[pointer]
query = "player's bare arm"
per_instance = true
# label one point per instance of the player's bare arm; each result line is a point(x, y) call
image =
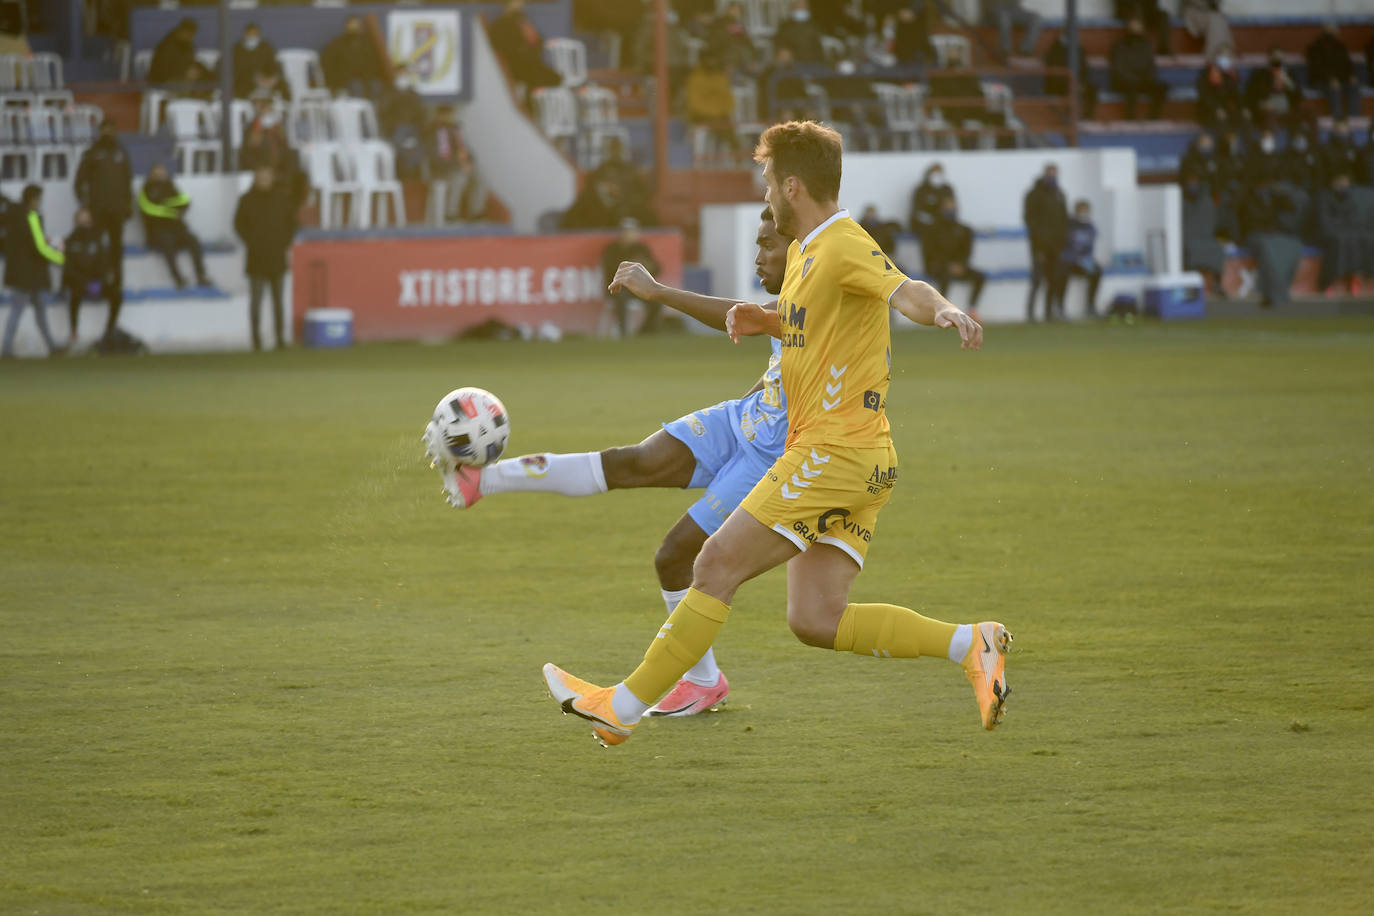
point(635, 278)
point(747, 319)
point(923, 304)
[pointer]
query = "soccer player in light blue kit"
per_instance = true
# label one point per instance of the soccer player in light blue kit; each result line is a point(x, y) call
point(724, 449)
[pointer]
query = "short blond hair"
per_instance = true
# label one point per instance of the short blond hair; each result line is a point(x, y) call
point(807, 151)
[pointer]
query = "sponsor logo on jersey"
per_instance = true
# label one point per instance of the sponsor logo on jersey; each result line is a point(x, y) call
point(806, 266)
point(828, 516)
point(828, 519)
point(794, 324)
point(873, 400)
point(881, 480)
point(807, 534)
point(698, 428)
point(887, 265)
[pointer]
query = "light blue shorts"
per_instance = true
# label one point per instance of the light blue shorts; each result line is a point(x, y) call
point(727, 466)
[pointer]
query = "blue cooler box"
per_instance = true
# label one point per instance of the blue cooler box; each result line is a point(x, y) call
point(1172, 297)
point(327, 328)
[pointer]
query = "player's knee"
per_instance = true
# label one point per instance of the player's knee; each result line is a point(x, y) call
point(712, 571)
point(674, 563)
point(809, 633)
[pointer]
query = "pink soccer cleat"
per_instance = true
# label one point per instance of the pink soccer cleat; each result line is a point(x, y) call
point(688, 699)
point(462, 484)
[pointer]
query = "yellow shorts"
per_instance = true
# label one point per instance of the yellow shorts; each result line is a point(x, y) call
point(823, 495)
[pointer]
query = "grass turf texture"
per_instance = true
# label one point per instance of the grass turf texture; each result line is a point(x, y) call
point(252, 663)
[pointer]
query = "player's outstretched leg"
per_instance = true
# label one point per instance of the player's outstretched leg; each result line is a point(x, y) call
point(704, 686)
point(593, 703)
point(986, 670)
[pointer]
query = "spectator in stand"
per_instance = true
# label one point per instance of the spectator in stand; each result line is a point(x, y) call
point(602, 204)
point(728, 39)
point(628, 246)
point(351, 63)
point(623, 18)
point(1200, 160)
point(911, 44)
point(798, 34)
point(958, 94)
point(521, 48)
point(1004, 15)
point(882, 231)
point(1272, 96)
point(782, 90)
point(1204, 19)
point(925, 201)
point(103, 186)
point(1271, 216)
point(1046, 215)
point(256, 66)
point(948, 250)
point(197, 83)
point(264, 141)
point(28, 259)
point(1330, 72)
point(88, 271)
point(1218, 93)
point(174, 54)
point(1203, 230)
point(164, 206)
point(1343, 230)
point(711, 109)
point(1302, 161)
point(450, 161)
point(1264, 163)
point(1339, 154)
point(403, 118)
point(1153, 17)
point(634, 186)
point(1059, 85)
point(1133, 72)
point(1078, 259)
point(266, 222)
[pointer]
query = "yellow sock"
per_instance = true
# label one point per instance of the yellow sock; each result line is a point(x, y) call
point(888, 631)
point(680, 642)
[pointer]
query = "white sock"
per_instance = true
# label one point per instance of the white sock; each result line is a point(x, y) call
point(959, 645)
point(706, 672)
point(629, 708)
point(578, 474)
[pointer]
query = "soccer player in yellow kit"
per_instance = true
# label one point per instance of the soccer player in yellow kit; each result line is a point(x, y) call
point(816, 508)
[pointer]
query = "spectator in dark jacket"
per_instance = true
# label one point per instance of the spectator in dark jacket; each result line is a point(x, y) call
point(350, 62)
point(256, 66)
point(163, 206)
point(1046, 215)
point(1058, 57)
point(1005, 15)
point(1078, 258)
point(729, 40)
point(1203, 228)
point(911, 42)
point(628, 246)
point(1264, 163)
point(1330, 72)
point(1343, 232)
point(925, 201)
point(266, 222)
point(1150, 12)
point(104, 185)
point(1200, 160)
point(602, 205)
point(948, 250)
point(1133, 72)
point(1339, 153)
point(1272, 95)
point(28, 260)
point(174, 54)
point(87, 271)
point(1218, 93)
point(798, 34)
point(521, 48)
point(1270, 218)
point(1302, 162)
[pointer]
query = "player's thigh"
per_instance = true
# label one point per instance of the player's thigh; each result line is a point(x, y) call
point(818, 583)
point(743, 548)
point(661, 460)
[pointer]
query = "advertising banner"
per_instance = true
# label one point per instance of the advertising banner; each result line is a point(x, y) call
point(413, 288)
point(428, 42)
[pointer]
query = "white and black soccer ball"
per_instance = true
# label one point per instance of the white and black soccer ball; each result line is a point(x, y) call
point(471, 425)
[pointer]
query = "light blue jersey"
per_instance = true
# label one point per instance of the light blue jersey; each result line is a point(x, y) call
point(734, 443)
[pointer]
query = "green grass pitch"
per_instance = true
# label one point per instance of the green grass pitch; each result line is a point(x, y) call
point(251, 663)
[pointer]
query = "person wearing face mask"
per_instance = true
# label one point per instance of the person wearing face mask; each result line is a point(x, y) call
point(1046, 215)
point(351, 63)
point(1272, 96)
point(799, 35)
point(1079, 259)
point(1330, 72)
point(1200, 159)
point(254, 60)
point(1342, 231)
point(948, 250)
point(1218, 93)
point(402, 116)
point(925, 201)
point(1133, 71)
point(1203, 230)
point(1302, 163)
point(1339, 153)
point(1265, 162)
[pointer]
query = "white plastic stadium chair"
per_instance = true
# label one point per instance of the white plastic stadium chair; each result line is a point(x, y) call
point(16, 147)
point(556, 110)
point(569, 57)
point(943, 44)
point(1000, 100)
point(377, 177)
point(194, 127)
point(903, 112)
point(143, 60)
point(355, 120)
point(44, 71)
point(53, 157)
point(335, 177)
point(304, 75)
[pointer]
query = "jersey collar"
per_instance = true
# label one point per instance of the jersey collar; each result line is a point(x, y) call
point(838, 214)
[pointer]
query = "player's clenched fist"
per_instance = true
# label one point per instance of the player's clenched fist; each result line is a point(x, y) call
point(746, 319)
point(634, 278)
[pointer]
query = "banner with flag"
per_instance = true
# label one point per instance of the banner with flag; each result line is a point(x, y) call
point(428, 43)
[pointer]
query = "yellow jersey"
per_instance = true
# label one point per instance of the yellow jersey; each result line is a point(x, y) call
point(836, 345)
